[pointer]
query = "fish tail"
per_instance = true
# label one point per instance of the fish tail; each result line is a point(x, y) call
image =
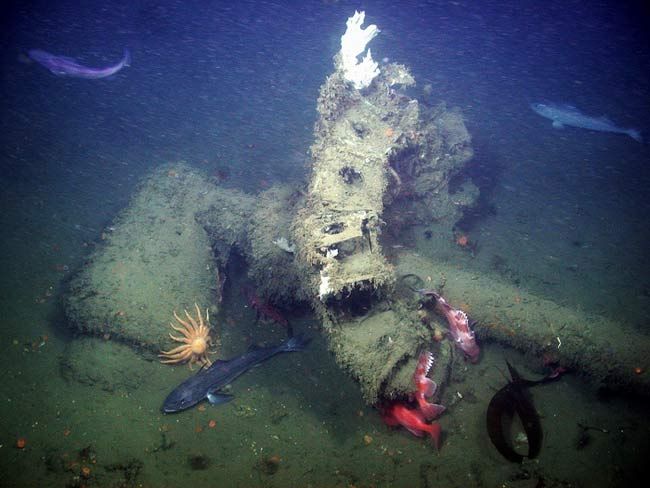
point(435, 431)
point(635, 134)
point(126, 60)
point(297, 343)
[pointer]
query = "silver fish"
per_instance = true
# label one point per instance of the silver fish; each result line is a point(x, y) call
point(562, 115)
point(65, 66)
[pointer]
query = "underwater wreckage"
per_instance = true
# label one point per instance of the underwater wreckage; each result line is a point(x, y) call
point(381, 163)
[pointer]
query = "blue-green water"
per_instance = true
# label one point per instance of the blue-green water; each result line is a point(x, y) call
point(231, 89)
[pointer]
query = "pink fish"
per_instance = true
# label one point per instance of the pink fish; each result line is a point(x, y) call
point(426, 387)
point(459, 327)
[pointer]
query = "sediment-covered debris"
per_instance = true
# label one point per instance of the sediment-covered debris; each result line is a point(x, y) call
point(374, 146)
point(272, 266)
point(156, 259)
point(605, 352)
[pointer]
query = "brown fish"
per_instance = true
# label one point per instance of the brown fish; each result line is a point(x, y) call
point(510, 400)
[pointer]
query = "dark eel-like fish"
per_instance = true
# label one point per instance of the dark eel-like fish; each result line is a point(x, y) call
point(510, 400)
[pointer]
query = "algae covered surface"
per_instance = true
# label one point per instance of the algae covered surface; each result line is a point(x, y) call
point(155, 258)
point(593, 345)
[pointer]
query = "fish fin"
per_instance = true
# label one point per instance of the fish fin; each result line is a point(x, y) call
point(429, 385)
point(558, 125)
point(126, 60)
point(415, 432)
point(218, 398)
point(635, 134)
point(517, 378)
point(435, 432)
point(432, 410)
point(514, 374)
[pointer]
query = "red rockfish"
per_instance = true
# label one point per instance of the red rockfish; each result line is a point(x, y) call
point(262, 308)
point(415, 419)
point(397, 413)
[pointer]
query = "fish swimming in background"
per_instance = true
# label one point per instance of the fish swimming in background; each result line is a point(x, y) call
point(64, 66)
point(562, 115)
